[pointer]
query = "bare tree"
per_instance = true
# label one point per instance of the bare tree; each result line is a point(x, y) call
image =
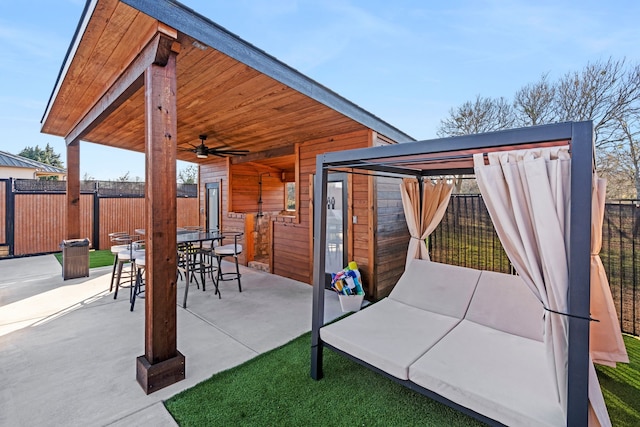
point(629, 151)
point(124, 178)
point(534, 103)
point(603, 92)
point(188, 175)
point(481, 115)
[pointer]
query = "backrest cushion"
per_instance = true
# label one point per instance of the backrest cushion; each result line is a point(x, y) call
point(504, 302)
point(439, 288)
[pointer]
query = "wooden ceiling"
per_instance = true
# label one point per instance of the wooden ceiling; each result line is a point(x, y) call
point(218, 95)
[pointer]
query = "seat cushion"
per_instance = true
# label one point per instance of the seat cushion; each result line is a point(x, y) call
point(504, 302)
point(503, 376)
point(230, 249)
point(439, 288)
point(389, 335)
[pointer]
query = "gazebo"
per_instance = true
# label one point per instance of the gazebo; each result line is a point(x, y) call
point(537, 183)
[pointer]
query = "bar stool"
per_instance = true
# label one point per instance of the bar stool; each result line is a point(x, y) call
point(139, 262)
point(232, 249)
point(134, 247)
point(116, 247)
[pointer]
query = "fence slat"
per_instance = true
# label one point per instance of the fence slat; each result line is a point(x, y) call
point(39, 217)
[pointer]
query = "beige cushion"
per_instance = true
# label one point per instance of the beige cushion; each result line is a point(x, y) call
point(504, 302)
point(503, 376)
point(440, 288)
point(388, 335)
point(230, 249)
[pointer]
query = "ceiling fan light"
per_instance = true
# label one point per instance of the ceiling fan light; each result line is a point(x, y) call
point(201, 152)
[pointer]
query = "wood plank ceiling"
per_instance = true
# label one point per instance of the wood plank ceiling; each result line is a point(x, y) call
point(232, 103)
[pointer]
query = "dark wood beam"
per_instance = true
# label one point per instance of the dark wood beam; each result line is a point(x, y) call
point(162, 364)
point(264, 155)
point(157, 52)
point(73, 192)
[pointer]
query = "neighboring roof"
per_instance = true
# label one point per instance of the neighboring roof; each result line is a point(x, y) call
point(226, 87)
point(15, 161)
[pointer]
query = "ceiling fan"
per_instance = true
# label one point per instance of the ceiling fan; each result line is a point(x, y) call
point(202, 151)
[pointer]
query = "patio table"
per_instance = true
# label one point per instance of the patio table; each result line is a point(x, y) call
point(187, 239)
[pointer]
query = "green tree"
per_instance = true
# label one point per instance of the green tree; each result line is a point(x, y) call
point(47, 156)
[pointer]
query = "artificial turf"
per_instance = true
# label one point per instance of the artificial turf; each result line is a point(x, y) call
point(100, 258)
point(275, 389)
point(621, 386)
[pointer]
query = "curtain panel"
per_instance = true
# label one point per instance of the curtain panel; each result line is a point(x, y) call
point(423, 218)
point(527, 194)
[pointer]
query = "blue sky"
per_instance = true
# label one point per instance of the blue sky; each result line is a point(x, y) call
point(408, 62)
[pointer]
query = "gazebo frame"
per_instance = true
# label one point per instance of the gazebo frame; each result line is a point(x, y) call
point(454, 156)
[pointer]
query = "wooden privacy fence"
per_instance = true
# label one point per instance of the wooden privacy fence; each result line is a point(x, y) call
point(466, 237)
point(32, 213)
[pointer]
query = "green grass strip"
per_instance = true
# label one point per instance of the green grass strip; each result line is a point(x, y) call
point(275, 389)
point(100, 258)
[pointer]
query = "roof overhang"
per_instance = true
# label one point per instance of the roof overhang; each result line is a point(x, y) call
point(228, 89)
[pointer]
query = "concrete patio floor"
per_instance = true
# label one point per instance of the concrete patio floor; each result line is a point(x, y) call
point(68, 349)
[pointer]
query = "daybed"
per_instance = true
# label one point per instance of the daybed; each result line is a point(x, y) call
point(506, 349)
point(474, 337)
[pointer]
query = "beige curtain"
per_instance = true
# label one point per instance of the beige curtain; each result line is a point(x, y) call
point(605, 341)
point(422, 221)
point(527, 193)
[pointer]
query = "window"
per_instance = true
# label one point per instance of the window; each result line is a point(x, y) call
point(290, 196)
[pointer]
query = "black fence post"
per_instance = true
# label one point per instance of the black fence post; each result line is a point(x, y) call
point(96, 217)
point(10, 215)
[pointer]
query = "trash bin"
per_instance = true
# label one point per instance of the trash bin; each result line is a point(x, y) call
point(75, 258)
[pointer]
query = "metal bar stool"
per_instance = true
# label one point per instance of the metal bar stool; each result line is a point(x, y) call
point(116, 247)
point(138, 288)
point(134, 247)
point(232, 249)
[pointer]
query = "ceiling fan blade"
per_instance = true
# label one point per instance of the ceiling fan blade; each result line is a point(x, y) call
point(228, 153)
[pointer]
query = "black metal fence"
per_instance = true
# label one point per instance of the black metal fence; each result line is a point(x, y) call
point(466, 237)
point(101, 188)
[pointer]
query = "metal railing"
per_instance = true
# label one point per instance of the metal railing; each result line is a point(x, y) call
point(101, 188)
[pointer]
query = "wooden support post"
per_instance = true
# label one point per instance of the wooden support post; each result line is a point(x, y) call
point(162, 364)
point(73, 191)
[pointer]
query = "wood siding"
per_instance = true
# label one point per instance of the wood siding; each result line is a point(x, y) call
point(299, 234)
point(391, 233)
point(214, 172)
point(217, 171)
point(291, 249)
point(392, 236)
point(374, 241)
point(245, 187)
